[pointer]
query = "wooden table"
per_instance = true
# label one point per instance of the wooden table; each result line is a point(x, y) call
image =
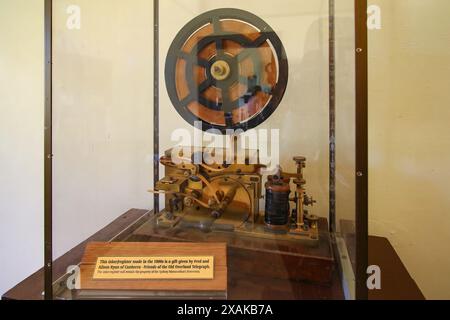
point(396, 282)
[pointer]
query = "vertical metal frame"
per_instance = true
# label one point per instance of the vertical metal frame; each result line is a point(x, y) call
point(362, 208)
point(332, 114)
point(156, 102)
point(48, 153)
point(361, 137)
point(48, 137)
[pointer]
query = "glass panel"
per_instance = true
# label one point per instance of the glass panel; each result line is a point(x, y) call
point(344, 175)
point(282, 103)
point(102, 118)
point(244, 142)
point(409, 73)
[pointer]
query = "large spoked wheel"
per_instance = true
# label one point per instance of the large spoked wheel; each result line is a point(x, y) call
point(228, 69)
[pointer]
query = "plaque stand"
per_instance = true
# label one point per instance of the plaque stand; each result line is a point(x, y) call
point(173, 281)
point(271, 258)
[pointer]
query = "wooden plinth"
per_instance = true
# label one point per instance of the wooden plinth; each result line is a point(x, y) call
point(96, 250)
point(280, 259)
point(241, 286)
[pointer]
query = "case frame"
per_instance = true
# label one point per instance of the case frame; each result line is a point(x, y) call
point(361, 135)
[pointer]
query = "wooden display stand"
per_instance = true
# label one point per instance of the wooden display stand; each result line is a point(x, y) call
point(290, 260)
point(166, 282)
point(397, 283)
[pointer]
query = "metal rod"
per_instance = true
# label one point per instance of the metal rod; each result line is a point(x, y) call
point(332, 115)
point(156, 207)
point(361, 148)
point(48, 161)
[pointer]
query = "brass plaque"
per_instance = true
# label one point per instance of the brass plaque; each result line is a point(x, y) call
point(162, 267)
point(155, 266)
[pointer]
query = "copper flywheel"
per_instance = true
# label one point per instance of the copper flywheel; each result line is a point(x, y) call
point(228, 69)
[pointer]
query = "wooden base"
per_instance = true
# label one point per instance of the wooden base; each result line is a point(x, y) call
point(267, 258)
point(186, 287)
point(241, 286)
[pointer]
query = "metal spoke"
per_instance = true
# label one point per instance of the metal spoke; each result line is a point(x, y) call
point(190, 98)
point(217, 31)
point(202, 62)
point(204, 85)
point(193, 58)
point(227, 106)
point(260, 40)
point(243, 55)
point(216, 25)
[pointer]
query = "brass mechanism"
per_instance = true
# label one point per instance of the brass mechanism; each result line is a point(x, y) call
point(230, 85)
point(223, 197)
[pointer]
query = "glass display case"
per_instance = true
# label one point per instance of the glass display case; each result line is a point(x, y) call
point(206, 149)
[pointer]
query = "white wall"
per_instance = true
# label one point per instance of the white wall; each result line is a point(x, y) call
point(102, 115)
point(21, 139)
point(409, 143)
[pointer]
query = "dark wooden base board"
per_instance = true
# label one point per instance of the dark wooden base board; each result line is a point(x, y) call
point(289, 260)
point(241, 286)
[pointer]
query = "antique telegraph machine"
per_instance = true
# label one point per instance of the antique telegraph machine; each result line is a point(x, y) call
point(228, 69)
